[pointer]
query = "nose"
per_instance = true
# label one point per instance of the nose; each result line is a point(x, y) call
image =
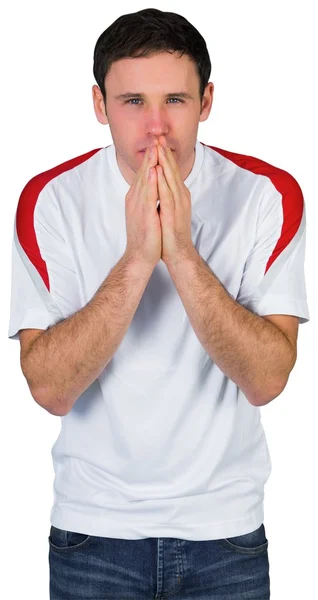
point(156, 125)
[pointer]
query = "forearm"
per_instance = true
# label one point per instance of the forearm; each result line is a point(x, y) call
point(68, 357)
point(248, 349)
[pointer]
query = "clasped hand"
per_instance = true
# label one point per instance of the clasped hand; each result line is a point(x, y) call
point(175, 206)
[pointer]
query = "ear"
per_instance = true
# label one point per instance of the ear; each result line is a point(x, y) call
point(99, 106)
point(207, 101)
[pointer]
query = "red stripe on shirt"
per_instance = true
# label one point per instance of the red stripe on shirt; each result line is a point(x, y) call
point(26, 207)
point(286, 185)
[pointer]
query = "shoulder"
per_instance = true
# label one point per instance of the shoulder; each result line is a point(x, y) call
point(33, 189)
point(281, 179)
point(38, 182)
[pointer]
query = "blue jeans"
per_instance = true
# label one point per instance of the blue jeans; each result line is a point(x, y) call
point(100, 568)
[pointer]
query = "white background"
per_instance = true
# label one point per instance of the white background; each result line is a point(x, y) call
point(264, 70)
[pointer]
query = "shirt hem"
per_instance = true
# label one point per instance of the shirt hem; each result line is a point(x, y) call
point(103, 527)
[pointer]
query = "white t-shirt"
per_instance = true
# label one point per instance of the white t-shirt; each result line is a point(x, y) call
point(162, 444)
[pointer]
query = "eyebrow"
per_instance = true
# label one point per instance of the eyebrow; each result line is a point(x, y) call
point(137, 95)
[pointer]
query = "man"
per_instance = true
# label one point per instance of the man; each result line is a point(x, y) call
point(157, 296)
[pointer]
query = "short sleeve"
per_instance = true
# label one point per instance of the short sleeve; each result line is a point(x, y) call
point(273, 281)
point(43, 280)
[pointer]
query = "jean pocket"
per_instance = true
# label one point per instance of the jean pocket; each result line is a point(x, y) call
point(253, 543)
point(63, 540)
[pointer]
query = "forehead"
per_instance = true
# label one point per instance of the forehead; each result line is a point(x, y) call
point(152, 72)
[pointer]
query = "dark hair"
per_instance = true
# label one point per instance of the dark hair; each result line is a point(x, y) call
point(150, 31)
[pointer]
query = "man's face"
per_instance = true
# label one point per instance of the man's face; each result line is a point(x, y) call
point(136, 122)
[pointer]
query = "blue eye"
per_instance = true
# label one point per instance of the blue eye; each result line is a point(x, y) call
point(138, 99)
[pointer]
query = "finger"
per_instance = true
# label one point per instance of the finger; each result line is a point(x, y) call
point(137, 188)
point(165, 192)
point(152, 187)
point(142, 181)
point(171, 171)
point(139, 173)
point(152, 160)
point(142, 175)
point(146, 181)
point(145, 163)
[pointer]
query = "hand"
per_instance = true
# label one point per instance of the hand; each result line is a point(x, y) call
point(142, 218)
point(175, 208)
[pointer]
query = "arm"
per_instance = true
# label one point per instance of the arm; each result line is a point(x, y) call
point(64, 360)
point(250, 350)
